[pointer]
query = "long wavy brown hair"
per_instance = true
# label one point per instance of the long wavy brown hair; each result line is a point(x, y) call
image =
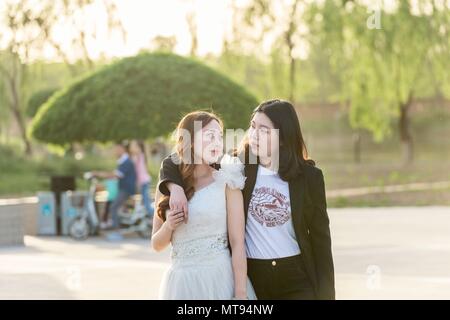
point(185, 152)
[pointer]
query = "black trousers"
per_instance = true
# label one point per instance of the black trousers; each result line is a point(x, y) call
point(280, 279)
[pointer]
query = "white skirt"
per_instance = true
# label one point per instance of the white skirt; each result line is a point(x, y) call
point(201, 278)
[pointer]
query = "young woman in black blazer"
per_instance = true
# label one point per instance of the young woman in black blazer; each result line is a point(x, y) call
point(288, 239)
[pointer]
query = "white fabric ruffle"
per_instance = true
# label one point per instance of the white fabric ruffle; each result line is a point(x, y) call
point(231, 172)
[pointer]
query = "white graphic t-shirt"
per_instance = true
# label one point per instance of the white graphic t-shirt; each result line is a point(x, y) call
point(269, 232)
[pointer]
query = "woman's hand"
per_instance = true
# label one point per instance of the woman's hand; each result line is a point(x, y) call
point(178, 201)
point(161, 232)
point(174, 219)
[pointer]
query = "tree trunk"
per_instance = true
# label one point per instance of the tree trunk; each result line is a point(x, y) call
point(83, 45)
point(15, 109)
point(12, 79)
point(357, 147)
point(292, 80)
point(22, 127)
point(405, 133)
point(290, 44)
point(193, 32)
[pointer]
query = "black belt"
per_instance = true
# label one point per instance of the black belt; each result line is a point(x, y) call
point(276, 261)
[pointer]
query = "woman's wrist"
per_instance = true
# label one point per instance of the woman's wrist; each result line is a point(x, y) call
point(166, 226)
point(240, 295)
point(172, 187)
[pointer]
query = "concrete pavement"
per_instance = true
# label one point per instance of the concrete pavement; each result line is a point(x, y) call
point(380, 253)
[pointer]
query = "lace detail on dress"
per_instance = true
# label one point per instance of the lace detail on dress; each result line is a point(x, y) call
point(231, 172)
point(204, 246)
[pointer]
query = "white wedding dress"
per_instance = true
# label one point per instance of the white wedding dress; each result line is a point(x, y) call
point(201, 267)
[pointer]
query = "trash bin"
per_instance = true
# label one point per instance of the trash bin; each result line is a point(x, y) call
point(47, 214)
point(58, 185)
point(73, 203)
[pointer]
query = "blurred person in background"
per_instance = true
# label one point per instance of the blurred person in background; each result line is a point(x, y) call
point(126, 175)
point(143, 178)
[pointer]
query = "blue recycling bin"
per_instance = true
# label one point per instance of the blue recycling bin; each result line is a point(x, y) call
point(47, 214)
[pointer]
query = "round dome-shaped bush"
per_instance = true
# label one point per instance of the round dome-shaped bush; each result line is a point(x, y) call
point(140, 97)
point(38, 99)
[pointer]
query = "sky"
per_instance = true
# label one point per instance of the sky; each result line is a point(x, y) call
point(145, 19)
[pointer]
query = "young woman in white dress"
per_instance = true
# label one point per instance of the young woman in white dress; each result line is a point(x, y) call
point(202, 266)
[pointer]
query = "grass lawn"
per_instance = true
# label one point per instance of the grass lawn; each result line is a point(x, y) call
point(402, 199)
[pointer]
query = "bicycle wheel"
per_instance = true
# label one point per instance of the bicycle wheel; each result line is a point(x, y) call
point(79, 228)
point(146, 231)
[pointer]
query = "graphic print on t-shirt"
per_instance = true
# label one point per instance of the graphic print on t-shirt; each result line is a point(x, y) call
point(269, 207)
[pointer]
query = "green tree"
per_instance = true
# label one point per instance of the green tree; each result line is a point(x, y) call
point(38, 99)
point(282, 21)
point(164, 43)
point(381, 69)
point(28, 29)
point(139, 97)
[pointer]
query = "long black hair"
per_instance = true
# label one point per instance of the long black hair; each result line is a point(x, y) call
point(293, 152)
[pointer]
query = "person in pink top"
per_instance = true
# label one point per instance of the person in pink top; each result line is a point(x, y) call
point(137, 151)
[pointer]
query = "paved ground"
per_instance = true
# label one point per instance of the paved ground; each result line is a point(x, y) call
point(382, 253)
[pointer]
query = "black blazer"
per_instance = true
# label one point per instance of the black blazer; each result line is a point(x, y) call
point(309, 217)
